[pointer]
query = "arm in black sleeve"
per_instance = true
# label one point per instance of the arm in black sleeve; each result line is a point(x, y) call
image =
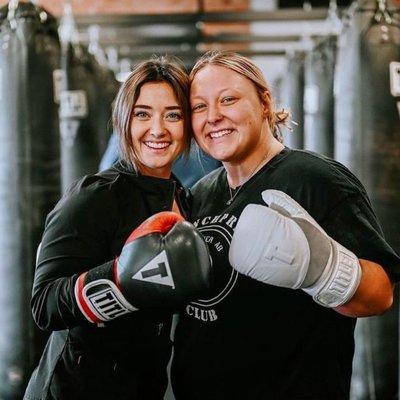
point(76, 239)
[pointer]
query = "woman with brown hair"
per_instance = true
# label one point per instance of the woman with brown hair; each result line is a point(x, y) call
point(111, 266)
point(297, 253)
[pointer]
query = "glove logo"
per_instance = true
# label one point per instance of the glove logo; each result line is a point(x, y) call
point(157, 270)
point(100, 300)
point(107, 304)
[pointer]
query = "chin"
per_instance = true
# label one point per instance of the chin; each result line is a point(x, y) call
point(149, 167)
point(221, 156)
point(158, 166)
point(157, 162)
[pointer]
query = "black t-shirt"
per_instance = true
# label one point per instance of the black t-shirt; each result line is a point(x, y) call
point(250, 340)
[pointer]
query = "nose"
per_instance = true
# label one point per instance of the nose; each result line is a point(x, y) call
point(213, 115)
point(157, 128)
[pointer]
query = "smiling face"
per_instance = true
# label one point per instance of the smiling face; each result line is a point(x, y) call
point(227, 114)
point(157, 129)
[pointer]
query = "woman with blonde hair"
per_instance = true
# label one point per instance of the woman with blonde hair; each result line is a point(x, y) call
point(297, 253)
point(111, 267)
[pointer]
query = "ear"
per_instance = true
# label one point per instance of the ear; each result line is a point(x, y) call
point(265, 101)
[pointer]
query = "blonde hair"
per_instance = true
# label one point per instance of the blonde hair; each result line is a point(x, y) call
point(157, 69)
point(246, 67)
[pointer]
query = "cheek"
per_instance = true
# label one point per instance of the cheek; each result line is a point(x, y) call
point(137, 130)
point(198, 137)
point(134, 135)
point(177, 134)
point(135, 143)
point(249, 120)
point(197, 124)
point(240, 116)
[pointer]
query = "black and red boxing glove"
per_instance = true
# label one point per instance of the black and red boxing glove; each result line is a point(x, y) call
point(164, 263)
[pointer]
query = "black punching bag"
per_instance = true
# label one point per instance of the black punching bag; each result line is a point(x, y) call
point(106, 88)
point(367, 139)
point(292, 99)
point(318, 96)
point(81, 147)
point(29, 177)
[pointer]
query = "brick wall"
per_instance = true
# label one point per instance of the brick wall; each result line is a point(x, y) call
point(93, 7)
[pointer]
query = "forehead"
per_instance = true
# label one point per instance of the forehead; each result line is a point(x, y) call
point(217, 78)
point(156, 90)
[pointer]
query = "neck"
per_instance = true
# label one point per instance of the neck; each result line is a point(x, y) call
point(239, 172)
point(162, 173)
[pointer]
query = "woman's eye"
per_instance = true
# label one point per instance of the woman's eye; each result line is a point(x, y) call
point(141, 114)
point(198, 107)
point(228, 99)
point(174, 116)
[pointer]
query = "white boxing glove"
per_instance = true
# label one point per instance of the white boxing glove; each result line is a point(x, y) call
point(282, 245)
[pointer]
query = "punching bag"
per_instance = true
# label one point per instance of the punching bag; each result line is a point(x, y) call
point(29, 178)
point(318, 96)
point(80, 147)
point(292, 99)
point(106, 86)
point(347, 90)
point(367, 140)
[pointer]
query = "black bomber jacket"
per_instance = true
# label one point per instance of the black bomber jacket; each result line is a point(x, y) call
point(125, 358)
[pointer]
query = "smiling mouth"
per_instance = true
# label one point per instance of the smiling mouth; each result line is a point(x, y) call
point(220, 133)
point(157, 145)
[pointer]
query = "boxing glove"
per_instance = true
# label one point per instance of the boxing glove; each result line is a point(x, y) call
point(163, 263)
point(283, 245)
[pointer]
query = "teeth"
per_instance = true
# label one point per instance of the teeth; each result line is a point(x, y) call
point(215, 135)
point(157, 145)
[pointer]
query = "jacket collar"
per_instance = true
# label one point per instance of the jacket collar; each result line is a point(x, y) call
point(126, 168)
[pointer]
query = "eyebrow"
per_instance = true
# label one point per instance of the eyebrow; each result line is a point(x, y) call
point(149, 108)
point(219, 93)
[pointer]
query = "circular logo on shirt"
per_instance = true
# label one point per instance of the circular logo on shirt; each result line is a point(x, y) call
point(224, 277)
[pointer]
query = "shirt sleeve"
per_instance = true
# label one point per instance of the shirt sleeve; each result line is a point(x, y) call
point(76, 239)
point(353, 224)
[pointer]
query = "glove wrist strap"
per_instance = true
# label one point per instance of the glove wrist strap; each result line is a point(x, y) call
point(340, 280)
point(98, 297)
